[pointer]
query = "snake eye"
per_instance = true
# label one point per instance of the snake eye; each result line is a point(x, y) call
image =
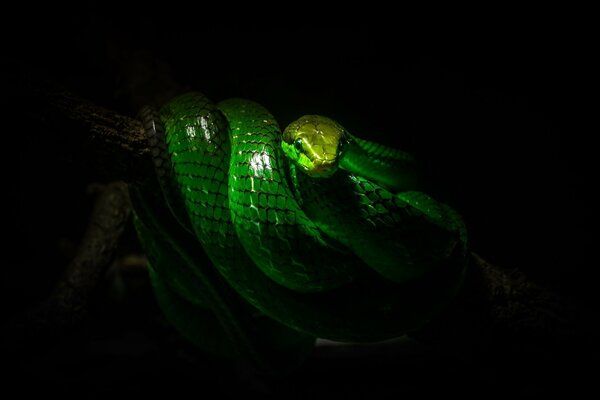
point(298, 144)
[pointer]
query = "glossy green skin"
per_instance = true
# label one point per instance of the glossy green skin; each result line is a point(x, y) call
point(368, 201)
point(275, 232)
point(340, 257)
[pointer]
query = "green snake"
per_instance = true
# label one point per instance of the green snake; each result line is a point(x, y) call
point(311, 232)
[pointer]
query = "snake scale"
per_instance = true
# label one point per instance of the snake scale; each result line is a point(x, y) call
point(311, 232)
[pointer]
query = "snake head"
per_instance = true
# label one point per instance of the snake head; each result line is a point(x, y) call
point(315, 144)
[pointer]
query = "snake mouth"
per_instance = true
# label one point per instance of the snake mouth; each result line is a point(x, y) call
point(315, 165)
point(322, 169)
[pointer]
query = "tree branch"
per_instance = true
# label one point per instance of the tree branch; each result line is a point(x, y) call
point(507, 313)
point(67, 305)
point(110, 142)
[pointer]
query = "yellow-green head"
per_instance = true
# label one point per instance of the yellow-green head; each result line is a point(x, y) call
point(315, 144)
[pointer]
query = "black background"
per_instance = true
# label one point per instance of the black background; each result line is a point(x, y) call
point(492, 113)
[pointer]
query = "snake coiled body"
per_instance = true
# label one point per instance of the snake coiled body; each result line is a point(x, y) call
point(354, 256)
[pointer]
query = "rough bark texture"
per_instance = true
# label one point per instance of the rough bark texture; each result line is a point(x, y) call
point(111, 143)
point(67, 306)
point(505, 309)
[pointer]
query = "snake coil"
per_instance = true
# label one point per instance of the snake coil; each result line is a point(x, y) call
point(356, 255)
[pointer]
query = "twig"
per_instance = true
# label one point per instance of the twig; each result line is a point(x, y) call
point(112, 143)
point(509, 313)
point(67, 305)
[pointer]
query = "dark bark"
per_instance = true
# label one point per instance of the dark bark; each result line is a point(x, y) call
point(507, 312)
point(67, 306)
point(108, 142)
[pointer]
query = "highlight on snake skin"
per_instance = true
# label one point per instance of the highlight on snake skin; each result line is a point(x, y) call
point(312, 232)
